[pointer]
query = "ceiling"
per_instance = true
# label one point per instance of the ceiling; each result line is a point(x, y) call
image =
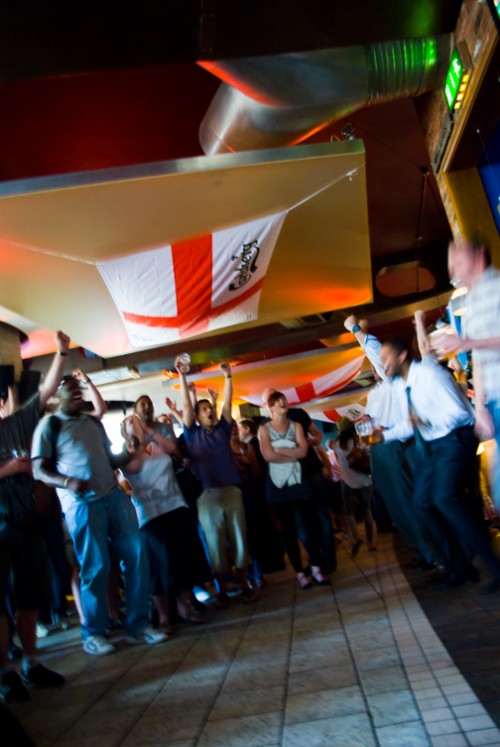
point(104, 104)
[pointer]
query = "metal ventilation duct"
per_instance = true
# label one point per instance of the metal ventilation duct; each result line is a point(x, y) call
point(271, 101)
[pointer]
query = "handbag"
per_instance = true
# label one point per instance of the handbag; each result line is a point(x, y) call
point(359, 460)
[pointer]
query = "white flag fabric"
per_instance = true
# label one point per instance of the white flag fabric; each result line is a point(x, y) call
point(320, 387)
point(193, 286)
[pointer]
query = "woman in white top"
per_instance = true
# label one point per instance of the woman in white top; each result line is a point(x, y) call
point(164, 519)
point(283, 444)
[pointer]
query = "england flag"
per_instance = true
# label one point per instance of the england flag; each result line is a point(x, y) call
point(187, 288)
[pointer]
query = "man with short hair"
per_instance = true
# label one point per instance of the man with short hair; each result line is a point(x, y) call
point(76, 460)
point(469, 264)
point(145, 411)
point(220, 506)
point(22, 549)
point(390, 465)
point(445, 444)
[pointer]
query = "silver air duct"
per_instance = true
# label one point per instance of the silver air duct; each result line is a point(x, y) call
point(279, 100)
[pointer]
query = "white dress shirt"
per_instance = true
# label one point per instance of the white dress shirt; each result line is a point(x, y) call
point(390, 412)
point(436, 399)
point(371, 348)
point(481, 320)
point(387, 410)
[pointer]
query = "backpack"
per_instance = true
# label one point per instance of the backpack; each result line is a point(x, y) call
point(54, 428)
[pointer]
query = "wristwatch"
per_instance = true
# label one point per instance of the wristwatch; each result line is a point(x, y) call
point(355, 329)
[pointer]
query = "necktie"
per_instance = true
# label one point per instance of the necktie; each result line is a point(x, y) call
point(419, 441)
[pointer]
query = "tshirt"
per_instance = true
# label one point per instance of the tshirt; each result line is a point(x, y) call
point(156, 491)
point(81, 451)
point(211, 453)
point(16, 431)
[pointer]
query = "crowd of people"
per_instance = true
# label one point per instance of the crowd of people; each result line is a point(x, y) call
point(224, 502)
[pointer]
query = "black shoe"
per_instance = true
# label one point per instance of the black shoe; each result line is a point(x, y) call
point(421, 564)
point(472, 576)
point(449, 581)
point(438, 574)
point(40, 676)
point(355, 548)
point(492, 587)
point(12, 688)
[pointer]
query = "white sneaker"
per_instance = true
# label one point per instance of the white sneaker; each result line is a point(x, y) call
point(148, 635)
point(98, 646)
point(42, 630)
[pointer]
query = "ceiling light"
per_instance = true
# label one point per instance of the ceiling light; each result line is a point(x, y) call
point(133, 372)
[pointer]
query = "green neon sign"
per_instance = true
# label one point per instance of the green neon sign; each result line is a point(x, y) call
point(453, 80)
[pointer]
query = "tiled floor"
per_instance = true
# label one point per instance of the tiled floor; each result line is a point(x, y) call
point(358, 664)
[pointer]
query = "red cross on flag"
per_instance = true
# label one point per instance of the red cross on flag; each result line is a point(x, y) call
point(190, 287)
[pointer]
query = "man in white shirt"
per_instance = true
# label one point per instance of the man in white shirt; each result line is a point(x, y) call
point(445, 447)
point(469, 263)
point(391, 470)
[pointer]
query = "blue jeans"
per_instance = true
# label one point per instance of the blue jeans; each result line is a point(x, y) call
point(494, 410)
point(91, 525)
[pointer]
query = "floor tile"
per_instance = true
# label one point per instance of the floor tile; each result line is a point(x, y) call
point(166, 728)
point(327, 678)
point(397, 706)
point(359, 665)
point(410, 734)
point(109, 740)
point(382, 680)
point(96, 723)
point(248, 731)
point(247, 702)
point(344, 731)
point(324, 704)
point(171, 700)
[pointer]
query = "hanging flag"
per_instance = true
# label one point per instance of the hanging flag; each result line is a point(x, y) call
point(194, 286)
point(353, 412)
point(320, 387)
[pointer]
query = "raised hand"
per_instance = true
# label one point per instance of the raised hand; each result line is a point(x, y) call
point(63, 342)
point(350, 322)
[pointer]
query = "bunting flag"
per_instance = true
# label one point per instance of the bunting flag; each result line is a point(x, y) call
point(320, 387)
point(353, 412)
point(194, 286)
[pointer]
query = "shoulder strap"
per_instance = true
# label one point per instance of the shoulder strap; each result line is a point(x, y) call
point(53, 430)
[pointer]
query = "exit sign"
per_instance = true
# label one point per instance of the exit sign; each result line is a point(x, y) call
point(456, 82)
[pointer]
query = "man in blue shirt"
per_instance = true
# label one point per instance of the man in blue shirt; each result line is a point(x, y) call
point(220, 506)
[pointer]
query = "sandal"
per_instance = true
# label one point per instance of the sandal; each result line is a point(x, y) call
point(304, 581)
point(318, 577)
point(221, 601)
